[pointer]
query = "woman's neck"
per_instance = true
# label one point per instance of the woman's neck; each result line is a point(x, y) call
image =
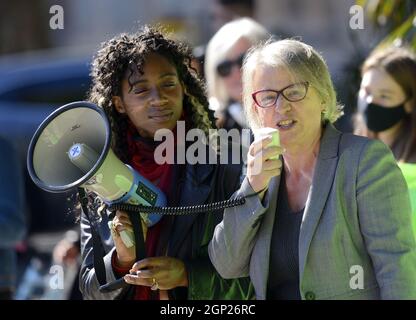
point(389, 136)
point(300, 162)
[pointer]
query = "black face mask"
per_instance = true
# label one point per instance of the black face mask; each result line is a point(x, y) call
point(379, 118)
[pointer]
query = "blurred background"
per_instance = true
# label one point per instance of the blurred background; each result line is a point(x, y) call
point(44, 63)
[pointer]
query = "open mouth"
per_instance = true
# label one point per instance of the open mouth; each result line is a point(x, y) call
point(285, 124)
point(161, 117)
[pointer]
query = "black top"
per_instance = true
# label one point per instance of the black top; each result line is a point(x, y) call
point(283, 282)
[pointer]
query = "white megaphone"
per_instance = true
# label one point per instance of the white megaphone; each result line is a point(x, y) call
point(71, 148)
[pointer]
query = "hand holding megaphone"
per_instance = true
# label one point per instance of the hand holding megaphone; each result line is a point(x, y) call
point(121, 225)
point(71, 148)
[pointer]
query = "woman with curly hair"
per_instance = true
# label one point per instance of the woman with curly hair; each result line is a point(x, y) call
point(144, 82)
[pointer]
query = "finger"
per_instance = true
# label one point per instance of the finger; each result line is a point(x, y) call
point(276, 150)
point(148, 263)
point(265, 154)
point(132, 279)
point(270, 152)
point(257, 145)
point(125, 221)
point(272, 165)
point(163, 275)
point(121, 227)
point(258, 160)
point(145, 273)
point(121, 214)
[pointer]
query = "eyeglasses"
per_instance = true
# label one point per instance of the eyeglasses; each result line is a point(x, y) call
point(225, 67)
point(294, 92)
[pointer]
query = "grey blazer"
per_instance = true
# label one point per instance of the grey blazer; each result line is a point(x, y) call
point(356, 240)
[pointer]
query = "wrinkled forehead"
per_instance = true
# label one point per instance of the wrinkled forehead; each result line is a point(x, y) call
point(276, 70)
point(290, 58)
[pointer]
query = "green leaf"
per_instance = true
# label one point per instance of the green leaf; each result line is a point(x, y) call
point(406, 32)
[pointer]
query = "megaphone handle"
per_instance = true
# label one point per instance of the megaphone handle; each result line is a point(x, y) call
point(128, 238)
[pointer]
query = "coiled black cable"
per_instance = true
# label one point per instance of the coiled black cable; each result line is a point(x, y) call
point(178, 210)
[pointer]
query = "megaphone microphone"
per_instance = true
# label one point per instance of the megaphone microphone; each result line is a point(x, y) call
point(71, 148)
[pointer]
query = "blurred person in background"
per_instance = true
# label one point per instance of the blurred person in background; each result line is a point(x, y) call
point(224, 58)
point(12, 217)
point(198, 59)
point(67, 253)
point(387, 108)
point(223, 11)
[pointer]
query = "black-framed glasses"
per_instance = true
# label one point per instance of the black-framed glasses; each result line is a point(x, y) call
point(293, 93)
point(225, 67)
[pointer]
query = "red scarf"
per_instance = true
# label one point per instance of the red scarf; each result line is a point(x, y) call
point(141, 154)
point(141, 151)
point(142, 159)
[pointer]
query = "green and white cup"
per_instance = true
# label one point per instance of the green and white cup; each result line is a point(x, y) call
point(264, 132)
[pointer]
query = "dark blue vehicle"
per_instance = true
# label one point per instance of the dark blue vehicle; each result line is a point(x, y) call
point(29, 91)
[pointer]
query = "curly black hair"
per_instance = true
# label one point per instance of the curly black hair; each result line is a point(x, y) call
point(127, 53)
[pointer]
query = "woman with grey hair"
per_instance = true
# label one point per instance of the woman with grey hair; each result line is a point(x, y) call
point(223, 61)
point(332, 218)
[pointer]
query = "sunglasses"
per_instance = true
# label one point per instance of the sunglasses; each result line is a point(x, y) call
point(224, 68)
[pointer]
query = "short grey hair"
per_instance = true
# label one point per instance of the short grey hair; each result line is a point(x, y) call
point(219, 46)
point(302, 61)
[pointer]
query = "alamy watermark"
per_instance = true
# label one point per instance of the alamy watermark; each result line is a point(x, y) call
point(357, 279)
point(357, 17)
point(57, 19)
point(57, 277)
point(194, 146)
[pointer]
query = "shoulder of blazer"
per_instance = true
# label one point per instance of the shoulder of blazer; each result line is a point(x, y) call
point(357, 144)
point(346, 142)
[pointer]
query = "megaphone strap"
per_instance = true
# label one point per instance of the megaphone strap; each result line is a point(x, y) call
point(98, 250)
point(138, 235)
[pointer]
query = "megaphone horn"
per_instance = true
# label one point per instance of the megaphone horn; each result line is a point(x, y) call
point(71, 148)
